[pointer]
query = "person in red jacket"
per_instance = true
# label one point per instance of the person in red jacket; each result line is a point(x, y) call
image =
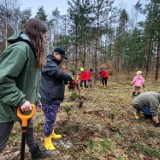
point(104, 75)
point(83, 78)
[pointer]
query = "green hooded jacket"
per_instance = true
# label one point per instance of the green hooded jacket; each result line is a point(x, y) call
point(19, 77)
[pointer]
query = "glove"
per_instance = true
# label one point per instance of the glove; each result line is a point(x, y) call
point(75, 82)
point(156, 124)
point(67, 82)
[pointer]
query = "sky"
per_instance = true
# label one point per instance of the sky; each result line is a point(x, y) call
point(50, 5)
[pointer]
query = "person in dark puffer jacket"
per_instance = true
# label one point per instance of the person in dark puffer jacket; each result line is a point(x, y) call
point(52, 93)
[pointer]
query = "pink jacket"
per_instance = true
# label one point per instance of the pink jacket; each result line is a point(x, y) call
point(138, 81)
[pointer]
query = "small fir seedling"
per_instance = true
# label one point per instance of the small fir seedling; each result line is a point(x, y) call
point(73, 96)
point(68, 109)
point(112, 114)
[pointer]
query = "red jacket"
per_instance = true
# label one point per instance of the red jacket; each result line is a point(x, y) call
point(83, 76)
point(88, 75)
point(73, 83)
point(104, 74)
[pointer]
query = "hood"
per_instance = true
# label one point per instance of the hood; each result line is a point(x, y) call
point(20, 36)
point(17, 37)
point(50, 56)
point(139, 76)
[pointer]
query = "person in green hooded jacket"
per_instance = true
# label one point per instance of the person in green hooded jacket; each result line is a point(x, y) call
point(20, 66)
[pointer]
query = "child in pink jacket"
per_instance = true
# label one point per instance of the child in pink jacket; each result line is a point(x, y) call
point(137, 82)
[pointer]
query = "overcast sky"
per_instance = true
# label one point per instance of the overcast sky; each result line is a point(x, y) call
point(50, 5)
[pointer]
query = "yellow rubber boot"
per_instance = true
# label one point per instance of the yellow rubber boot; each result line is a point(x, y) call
point(55, 136)
point(142, 114)
point(48, 144)
point(136, 115)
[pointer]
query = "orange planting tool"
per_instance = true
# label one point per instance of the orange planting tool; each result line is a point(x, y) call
point(24, 119)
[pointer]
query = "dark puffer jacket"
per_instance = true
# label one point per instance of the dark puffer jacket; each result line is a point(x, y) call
point(52, 82)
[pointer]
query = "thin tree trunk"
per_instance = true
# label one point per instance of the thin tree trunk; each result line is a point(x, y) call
point(157, 60)
point(76, 59)
point(95, 56)
point(148, 56)
point(96, 49)
point(84, 57)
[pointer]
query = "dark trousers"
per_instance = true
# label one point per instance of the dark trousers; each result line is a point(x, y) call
point(104, 81)
point(5, 131)
point(81, 84)
point(90, 82)
point(145, 109)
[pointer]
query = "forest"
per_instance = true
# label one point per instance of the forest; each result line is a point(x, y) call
point(95, 34)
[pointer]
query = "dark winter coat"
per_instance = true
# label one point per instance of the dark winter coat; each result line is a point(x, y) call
point(52, 82)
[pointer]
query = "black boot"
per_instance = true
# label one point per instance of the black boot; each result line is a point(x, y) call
point(133, 94)
point(38, 153)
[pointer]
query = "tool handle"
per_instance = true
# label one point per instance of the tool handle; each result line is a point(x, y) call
point(25, 118)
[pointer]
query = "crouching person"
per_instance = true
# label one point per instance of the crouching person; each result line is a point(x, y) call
point(148, 103)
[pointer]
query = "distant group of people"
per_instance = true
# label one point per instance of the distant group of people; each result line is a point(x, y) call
point(85, 77)
point(82, 79)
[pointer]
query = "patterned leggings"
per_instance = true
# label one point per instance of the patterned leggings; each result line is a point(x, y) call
point(50, 112)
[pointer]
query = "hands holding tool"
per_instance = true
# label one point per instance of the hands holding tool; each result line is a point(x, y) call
point(27, 106)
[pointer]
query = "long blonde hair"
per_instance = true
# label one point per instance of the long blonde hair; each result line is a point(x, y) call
point(34, 28)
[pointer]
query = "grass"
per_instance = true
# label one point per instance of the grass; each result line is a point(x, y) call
point(152, 152)
point(15, 137)
point(148, 133)
point(104, 128)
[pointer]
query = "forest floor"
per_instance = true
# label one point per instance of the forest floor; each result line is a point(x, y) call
point(103, 129)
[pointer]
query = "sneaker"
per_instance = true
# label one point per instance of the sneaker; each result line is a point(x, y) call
point(38, 153)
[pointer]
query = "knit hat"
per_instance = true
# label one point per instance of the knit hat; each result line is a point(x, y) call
point(139, 72)
point(61, 52)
